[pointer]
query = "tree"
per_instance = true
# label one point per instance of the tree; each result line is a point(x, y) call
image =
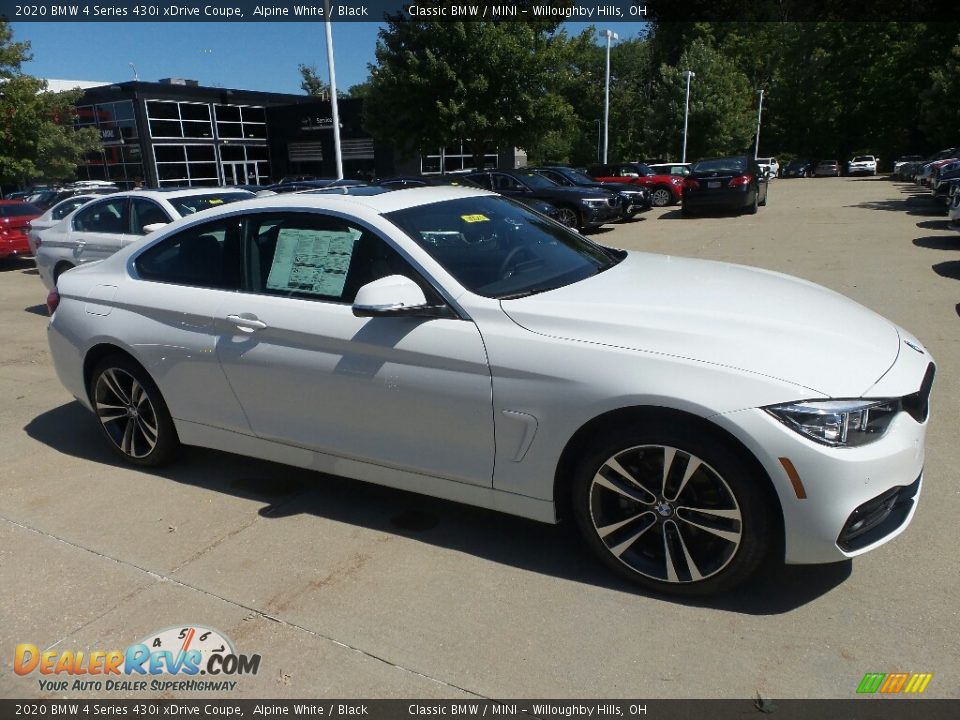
point(37, 139)
point(489, 84)
point(313, 85)
point(722, 105)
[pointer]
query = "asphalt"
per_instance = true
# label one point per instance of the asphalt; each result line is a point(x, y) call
point(351, 590)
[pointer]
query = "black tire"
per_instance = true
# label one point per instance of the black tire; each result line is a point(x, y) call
point(661, 196)
point(570, 217)
point(131, 412)
point(763, 203)
point(651, 538)
point(751, 209)
point(60, 269)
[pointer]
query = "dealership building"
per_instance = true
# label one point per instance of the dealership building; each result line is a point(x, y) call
point(176, 132)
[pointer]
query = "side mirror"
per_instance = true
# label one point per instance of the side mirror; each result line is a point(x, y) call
point(153, 227)
point(395, 296)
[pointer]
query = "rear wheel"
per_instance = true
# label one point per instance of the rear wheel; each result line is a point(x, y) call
point(60, 269)
point(751, 209)
point(132, 413)
point(672, 509)
point(661, 196)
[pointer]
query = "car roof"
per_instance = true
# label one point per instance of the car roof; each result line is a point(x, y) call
point(177, 192)
point(381, 203)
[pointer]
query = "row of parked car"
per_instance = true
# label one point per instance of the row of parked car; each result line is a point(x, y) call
point(66, 227)
point(940, 173)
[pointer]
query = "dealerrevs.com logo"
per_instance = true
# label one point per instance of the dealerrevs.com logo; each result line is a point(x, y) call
point(183, 652)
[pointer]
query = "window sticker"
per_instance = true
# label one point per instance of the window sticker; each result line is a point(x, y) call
point(474, 218)
point(312, 261)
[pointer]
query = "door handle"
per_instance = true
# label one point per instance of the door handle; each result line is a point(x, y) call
point(247, 322)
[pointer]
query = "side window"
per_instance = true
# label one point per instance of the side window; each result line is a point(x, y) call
point(314, 256)
point(145, 212)
point(206, 255)
point(103, 217)
point(66, 208)
point(505, 182)
point(482, 180)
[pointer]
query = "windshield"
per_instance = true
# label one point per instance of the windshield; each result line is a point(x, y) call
point(863, 158)
point(189, 204)
point(731, 165)
point(796, 163)
point(501, 249)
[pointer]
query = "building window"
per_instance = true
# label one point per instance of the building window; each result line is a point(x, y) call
point(236, 122)
point(453, 158)
point(170, 119)
point(190, 165)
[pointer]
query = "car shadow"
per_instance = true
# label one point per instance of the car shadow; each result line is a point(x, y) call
point(553, 550)
point(934, 224)
point(920, 204)
point(948, 269)
point(12, 264)
point(37, 310)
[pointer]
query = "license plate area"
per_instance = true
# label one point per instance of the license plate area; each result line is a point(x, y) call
point(713, 185)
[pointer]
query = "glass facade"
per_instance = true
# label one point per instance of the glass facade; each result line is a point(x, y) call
point(120, 158)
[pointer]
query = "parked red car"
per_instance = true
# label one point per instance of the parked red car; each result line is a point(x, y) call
point(664, 189)
point(15, 217)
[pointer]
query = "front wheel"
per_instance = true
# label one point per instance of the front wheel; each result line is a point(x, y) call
point(672, 509)
point(132, 413)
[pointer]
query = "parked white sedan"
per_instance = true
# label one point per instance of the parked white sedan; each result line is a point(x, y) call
point(53, 216)
point(691, 416)
point(100, 228)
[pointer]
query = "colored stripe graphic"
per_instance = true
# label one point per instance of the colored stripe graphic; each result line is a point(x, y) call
point(871, 682)
point(918, 682)
point(892, 683)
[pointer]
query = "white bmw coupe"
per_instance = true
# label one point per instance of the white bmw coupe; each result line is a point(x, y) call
point(692, 417)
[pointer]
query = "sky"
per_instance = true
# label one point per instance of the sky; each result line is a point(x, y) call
point(243, 56)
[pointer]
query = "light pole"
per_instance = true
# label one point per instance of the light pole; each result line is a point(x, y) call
point(335, 111)
point(598, 139)
point(688, 74)
point(136, 75)
point(610, 36)
point(756, 149)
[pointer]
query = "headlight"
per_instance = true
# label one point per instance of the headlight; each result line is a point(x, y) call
point(838, 423)
point(595, 202)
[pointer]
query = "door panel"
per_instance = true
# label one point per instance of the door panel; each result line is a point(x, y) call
point(410, 393)
point(403, 392)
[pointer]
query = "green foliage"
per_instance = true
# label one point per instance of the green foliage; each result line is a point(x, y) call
point(37, 139)
point(831, 89)
point(493, 84)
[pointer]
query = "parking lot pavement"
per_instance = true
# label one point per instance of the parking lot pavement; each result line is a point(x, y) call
point(351, 590)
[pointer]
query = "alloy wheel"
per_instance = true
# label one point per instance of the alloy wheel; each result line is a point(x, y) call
point(665, 514)
point(126, 413)
point(568, 217)
point(660, 197)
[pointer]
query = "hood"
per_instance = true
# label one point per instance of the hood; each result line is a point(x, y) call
point(754, 320)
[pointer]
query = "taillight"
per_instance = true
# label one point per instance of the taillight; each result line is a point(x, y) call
point(740, 180)
point(53, 300)
point(691, 184)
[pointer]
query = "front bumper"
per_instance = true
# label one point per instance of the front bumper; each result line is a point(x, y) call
point(594, 216)
point(839, 485)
